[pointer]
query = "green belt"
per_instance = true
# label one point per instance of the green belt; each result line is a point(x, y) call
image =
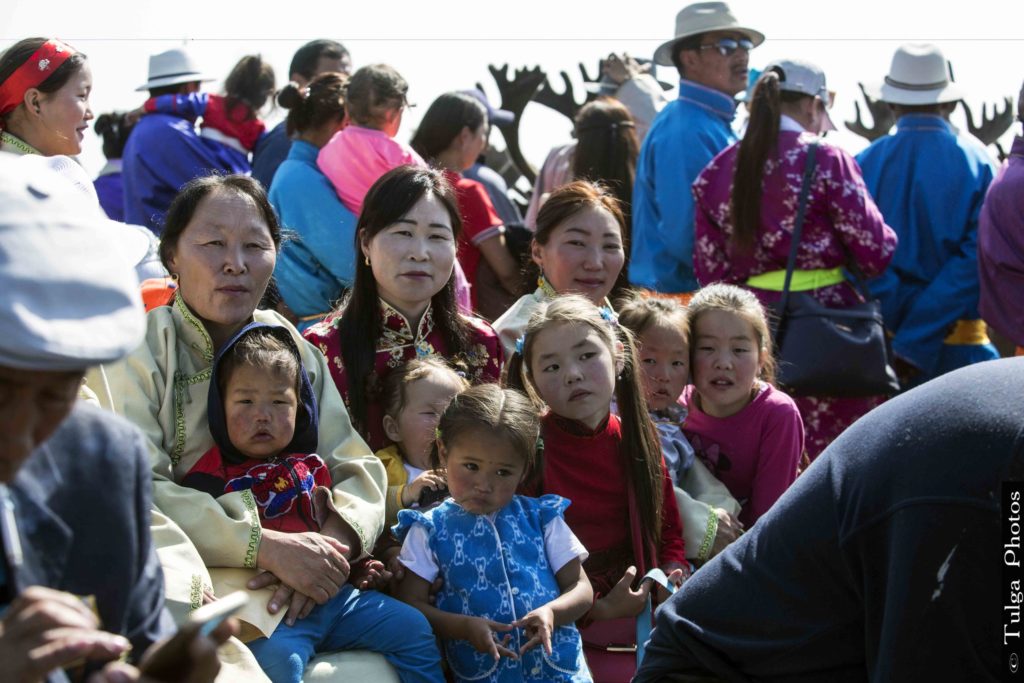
point(802, 280)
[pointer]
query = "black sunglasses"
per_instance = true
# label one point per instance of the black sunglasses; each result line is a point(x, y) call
point(728, 46)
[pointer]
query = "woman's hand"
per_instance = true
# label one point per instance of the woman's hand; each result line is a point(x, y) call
point(622, 600)
point(44, 630)
point(729, 529)
point(482, 634)
point(431, 479)
point(201, 664)
point(538, 626)
point(310, 563)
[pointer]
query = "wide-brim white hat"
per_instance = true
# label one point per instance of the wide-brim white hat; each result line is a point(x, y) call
point(919, 74)
point(70, 298)
point(703, 17)
point(171, 68)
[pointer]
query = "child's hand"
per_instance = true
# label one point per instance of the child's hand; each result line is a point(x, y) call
point(482, 634)
point(432, 479)
point(676, 575)
point(729, 529)
point(622, 600)
point(370, 574)
point(391, 563)
point(538, 625)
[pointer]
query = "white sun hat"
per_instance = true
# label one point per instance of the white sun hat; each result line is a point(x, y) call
point(703, 17)
point(919, 74)
point(172, 67)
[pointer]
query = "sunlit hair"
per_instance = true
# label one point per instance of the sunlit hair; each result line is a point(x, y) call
point(639, 313)
point(311, 107)
point(566, 202)
point(607, 150)
point(263, 349)
point(373, 92)
point(639, 440)
point(251, 82)
point(492, 409)
point(396, 385)
point(739, 302)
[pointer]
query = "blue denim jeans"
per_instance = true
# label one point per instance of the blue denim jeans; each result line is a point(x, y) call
point(354, 620)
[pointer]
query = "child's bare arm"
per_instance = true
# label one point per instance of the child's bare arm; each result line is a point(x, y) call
point(577, 597)
point(415, 590)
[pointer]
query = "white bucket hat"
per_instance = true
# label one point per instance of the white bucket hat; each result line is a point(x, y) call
point(69, 300)
point(703, 17)
point(919, 74)
point(171, 68)
point(806, 78)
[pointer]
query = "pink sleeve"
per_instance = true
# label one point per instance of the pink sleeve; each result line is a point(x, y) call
point(782, 442)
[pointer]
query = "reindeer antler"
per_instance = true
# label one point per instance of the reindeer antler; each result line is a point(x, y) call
point(881, 116)
point(565, 102)
point(516, 93)
point(992, 127)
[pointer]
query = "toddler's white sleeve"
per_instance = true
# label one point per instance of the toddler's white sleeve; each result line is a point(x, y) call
point(417, 556)
point(560, 544)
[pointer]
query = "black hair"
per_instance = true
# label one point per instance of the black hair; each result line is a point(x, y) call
point(114, 130)
point(313, 106)
point(251, 82)
point(359, 327)
point(444, 120)
point(489, 408)
point(373, 92)
point(760, 140)
point(263, 349)
point(691, 43)
point(19, 53)
point(183, 208)
point(307, 57)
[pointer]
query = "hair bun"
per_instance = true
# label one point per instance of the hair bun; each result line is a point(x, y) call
point(291, 95)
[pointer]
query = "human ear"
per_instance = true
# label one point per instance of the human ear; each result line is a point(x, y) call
point(31, 100)
point(620, 358)
point(537, 253)
point(391, 429)
point(442, 454)
point(364, 243)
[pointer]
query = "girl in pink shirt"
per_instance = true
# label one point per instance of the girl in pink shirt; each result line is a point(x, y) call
point(365, 149)
point(748, 433)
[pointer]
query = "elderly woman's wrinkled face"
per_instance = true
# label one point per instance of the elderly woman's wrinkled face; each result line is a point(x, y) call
point(224, 259)
point(583, 255)
point(33, 403)
point(412, 259)
point(64, 115)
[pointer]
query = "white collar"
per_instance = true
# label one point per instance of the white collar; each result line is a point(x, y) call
point(790, 124)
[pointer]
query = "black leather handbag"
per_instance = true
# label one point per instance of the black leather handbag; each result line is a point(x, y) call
point(823, 351)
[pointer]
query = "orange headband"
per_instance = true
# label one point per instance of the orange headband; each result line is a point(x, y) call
point(40, 66)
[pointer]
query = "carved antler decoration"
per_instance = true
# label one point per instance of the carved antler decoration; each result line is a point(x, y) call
point(516, 93)
point(992, 127)
point(881, 116)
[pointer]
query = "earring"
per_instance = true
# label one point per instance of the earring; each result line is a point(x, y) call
point(366, 260)
point(174, 276)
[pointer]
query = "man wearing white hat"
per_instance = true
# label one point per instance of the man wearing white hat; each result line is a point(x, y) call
point(79, 581)
point(930, 184)
point(710, 51)
point(164, 152)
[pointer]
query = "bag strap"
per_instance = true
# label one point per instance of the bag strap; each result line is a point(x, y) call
point(798, 224)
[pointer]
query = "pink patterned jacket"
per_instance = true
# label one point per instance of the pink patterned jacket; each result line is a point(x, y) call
point(841, 224)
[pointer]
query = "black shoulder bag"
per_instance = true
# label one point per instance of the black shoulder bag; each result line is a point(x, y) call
point(822, 351)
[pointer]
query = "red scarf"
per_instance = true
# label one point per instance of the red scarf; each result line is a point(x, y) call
point(39, 67)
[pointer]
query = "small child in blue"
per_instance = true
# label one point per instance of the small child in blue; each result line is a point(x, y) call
point(513, 571)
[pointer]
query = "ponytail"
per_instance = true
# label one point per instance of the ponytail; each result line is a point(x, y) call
point(760, 139)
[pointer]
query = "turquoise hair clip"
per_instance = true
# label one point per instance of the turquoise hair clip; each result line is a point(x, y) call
point(519, 343)
point(609, 315)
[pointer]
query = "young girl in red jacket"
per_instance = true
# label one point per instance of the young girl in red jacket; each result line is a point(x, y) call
point(575, 358)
